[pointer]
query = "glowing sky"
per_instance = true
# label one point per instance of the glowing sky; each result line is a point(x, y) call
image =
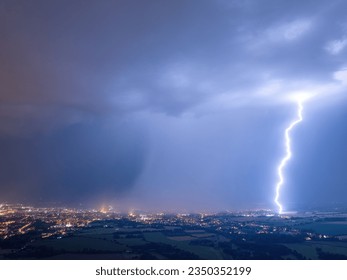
point(172, 104)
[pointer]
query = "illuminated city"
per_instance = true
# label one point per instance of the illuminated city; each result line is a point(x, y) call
point(29, 232)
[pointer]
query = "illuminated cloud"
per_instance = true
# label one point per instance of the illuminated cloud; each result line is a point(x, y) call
point(165, 98)
point(290, 31)
point(335, 47)
point(341, 76)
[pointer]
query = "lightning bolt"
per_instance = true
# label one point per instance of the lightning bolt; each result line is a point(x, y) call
point(288, 154)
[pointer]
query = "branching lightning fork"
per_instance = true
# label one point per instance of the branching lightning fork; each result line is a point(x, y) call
point(288, 155)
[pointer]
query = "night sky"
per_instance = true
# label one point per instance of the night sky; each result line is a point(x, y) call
point(172, 105)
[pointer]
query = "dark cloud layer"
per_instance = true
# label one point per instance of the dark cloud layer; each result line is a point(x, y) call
point(70, 165)
point(176, 104)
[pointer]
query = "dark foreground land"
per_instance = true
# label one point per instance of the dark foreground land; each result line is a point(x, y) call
point(74, 234)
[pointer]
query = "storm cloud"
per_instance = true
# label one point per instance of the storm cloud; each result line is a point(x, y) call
point(171, 104)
